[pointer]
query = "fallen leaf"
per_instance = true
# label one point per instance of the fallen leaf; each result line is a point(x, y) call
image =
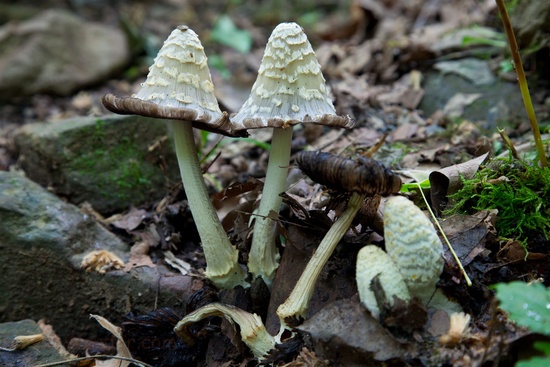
point(128, 221)
point(182, 266)
point(122, 349)
point(448, 180)
point(139, 256)
point(101, 261)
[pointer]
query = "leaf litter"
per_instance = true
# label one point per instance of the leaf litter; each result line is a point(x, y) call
point(381, 87)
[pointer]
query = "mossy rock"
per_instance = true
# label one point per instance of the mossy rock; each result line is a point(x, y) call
point(111, 162)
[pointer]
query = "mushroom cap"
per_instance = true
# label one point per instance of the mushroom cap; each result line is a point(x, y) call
point(413, 245)
point(290, 87)
point(364, 175)
point(372, 261)
point(178, 86)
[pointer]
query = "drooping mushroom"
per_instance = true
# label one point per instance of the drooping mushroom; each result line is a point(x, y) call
point(179, 87)
point(290, 89)
point(252, 330)
point(363, 177)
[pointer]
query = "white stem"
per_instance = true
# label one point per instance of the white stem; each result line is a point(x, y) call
point(264, 258)
point(298, 301)
point(222, 266)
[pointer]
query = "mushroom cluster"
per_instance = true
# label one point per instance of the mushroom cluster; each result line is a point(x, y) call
point(413, 260)
point(369, 178)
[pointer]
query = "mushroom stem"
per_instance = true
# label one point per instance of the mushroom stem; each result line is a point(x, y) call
point(298, 301)
point(264, 256)
point(222, 266)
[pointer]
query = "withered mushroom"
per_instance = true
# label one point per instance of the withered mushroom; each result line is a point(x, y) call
point(179, 87)
point(290, 89)
point(363, 177)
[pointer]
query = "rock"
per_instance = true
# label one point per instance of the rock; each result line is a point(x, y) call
point(499, 101)
point(42, 242)
point(40, 353)
point(531, 20)
point(57, 52)
point(104, 161)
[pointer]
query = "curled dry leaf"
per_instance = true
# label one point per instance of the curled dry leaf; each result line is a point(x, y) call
point(458, 329)
point(122, 349)
point(101, 261)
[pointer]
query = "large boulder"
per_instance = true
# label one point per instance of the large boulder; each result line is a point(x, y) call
point(57, 52)
point(111, 162)
point(42, 243)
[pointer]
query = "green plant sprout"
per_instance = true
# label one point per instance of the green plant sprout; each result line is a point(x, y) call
point(529, 306)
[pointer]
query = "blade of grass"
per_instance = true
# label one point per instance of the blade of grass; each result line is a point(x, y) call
point(522, 81)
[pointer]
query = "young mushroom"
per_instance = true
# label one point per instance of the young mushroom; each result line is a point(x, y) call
point(373, 262)
point(290, 89)
point(413, 245)
point(412, 263)
point(362, 177)
point(179, 87)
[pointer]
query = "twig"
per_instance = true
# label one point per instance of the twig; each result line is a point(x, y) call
point(100, 356)
point(466, 277)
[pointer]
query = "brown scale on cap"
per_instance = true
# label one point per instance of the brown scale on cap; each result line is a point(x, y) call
point(364, 175)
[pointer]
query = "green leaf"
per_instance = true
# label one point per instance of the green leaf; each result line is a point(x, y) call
point(535, 362)
point(528, 305)
point(226, 33)
point(543, 347)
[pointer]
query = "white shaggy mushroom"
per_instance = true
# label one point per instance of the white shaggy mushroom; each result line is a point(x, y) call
point(372, 261)
point(413, 245)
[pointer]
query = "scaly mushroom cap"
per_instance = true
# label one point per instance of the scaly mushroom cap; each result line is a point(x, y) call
point(290, 88)
point(413, 245)
point(373, 262)
point(178, 87)
point(364, 175)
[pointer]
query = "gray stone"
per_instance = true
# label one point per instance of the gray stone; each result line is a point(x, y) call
point(42, 242)
point(40, 353)
point(105, 161)
point(57, 52)
point(500, 102)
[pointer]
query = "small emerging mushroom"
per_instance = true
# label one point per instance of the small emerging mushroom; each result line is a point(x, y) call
point(179, 87)
point(413, 245)
point(373, 262)
point(371, 178)
point(290, 89)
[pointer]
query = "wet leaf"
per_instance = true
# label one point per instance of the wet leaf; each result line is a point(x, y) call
point(528, 305)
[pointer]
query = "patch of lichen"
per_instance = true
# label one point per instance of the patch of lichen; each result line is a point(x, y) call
point(117, 167)
point(520, 192)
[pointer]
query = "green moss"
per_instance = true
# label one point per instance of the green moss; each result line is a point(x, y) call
point(115, 168)
point(519, 191)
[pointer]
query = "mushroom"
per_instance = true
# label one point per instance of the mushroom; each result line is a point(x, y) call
point(363, 177)
point(373, 262)
point(412, 263)
point(290, 89)
point(414, 246)
point(252, 330)
point(179, 87)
